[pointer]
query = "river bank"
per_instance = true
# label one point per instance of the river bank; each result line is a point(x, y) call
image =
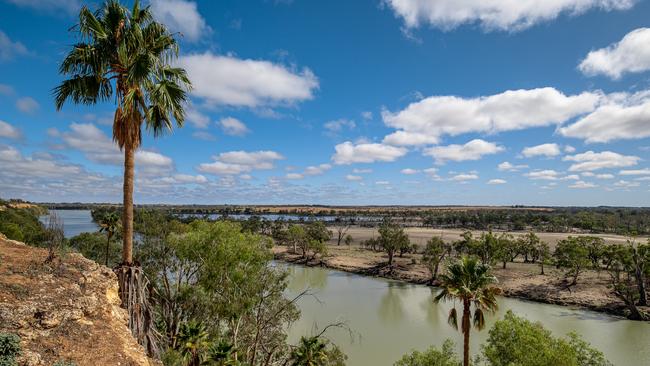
point(518, 280)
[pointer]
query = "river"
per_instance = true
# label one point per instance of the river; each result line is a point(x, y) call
point(390, 318)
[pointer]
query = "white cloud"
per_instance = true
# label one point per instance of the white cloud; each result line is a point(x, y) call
point(582, 185)
point(464, 177)
point(382, 183)
point(54, 6)
point(432, 173)
point(318, 169)
point(338, 125)
point(27, 105)
point(497, 181)
point(295, 176)
point(644, 171)
point(9, 131)
point(227, 80)
point(196, 118)
point(238, 162)
point(509, 167)
point(547, 174)
point(7, 90)
point(361, 171)
point(233, 127)
point(473, 150)
point(605, 176)
point(548, 150)
point(590, 161)
point(493, 14)
point(409, 171)
point(569, 149)
point(349, 153)
point(9, 49)
point(623, 116)
point(354, 178)
point(181, 16)
point(427, 120)
point(631, 54)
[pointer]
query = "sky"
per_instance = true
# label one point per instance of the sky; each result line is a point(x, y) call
point(365, 102)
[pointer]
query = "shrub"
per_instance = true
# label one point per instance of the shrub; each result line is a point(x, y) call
point(9, 349)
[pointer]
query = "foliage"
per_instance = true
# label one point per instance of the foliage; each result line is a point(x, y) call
point(92, 246)
point(392, 238)
point(316, 351)
point(572, 254)
point(22, 224)
point(109, 224)
point(628, 267)
point(515, 341)
point(9, 349)
point(434, 253)
point(433, 356)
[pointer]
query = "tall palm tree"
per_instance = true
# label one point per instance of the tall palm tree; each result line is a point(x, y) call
point(469, 282)
point(126, 56)
point(109, 224)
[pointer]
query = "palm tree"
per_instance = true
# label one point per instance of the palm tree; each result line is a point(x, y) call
point(126, 56)
point(469, 282)
point(109, 224)
point(192, 342)
point(311, 351)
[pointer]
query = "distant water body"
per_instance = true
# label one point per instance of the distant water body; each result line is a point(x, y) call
point(75, 222)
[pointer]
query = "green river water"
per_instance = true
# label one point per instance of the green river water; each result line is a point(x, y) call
point(390, 318)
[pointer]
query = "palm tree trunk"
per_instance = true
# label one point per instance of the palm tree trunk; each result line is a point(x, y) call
point(466, 328)
point(127, 217)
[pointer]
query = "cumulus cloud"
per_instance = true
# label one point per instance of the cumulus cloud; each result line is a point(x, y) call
point(295, 176)
point(10, 49)
point(27, 105)
point(227, 80)
point(349, 153)
point(547, 174)
point(473, 150)
point(464, 177)
point(493, 14)
point(631, 54)
point(509, 167)
point(354, 178)
point(622, 116)
point(427, 120)
point(239, 162)
point(196, 118)
point(548, 150)
point(361, 171)
point(590, 161)
point(497, 181)
point(203, 135)
point(233, 127)
point(626, 184)
point(9, 131)
point(366, 115)
point(317, 169)
point(181, 16)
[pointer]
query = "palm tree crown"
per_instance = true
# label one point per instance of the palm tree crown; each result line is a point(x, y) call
point(469, 282)
point(128, 56)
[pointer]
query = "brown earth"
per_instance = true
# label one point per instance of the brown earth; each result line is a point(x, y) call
point(67, 310)
point(519, 280)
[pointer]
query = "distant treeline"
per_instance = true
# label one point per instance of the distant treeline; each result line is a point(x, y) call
point(613, 220)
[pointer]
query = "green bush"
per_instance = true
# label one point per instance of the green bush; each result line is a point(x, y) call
point(9, 349)
point(432, 357)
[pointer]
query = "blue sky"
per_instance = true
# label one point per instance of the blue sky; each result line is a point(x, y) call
point(352, 102)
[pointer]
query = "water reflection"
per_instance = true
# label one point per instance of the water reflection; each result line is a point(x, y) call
point(303, 278)
point(391, 309)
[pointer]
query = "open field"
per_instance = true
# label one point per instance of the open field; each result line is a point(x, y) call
point(419, 235)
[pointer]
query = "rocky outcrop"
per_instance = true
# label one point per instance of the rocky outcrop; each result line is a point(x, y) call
point(67, 310)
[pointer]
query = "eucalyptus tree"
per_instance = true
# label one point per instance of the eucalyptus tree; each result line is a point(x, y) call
point(125, 56)
point(471, 283)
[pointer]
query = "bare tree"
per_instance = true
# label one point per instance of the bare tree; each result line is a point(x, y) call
point(342, 227)
point(55, 236)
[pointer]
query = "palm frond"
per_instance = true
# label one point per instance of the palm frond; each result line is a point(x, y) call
point(452, 319)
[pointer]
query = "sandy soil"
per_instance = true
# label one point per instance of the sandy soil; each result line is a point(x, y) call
point(419, 235)
point(520, 280)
